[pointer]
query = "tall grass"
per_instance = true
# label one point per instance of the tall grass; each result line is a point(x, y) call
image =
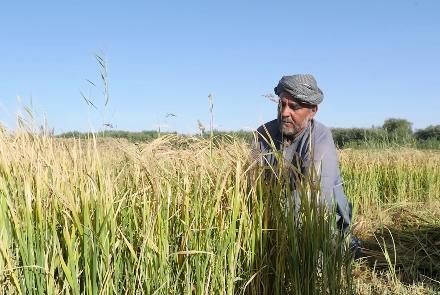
point(376, 178)
point(175, 216)
point(79, 216)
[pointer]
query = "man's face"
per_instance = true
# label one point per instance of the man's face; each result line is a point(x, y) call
point(294, 115)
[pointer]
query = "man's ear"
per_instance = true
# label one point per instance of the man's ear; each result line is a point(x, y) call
point(313, 111)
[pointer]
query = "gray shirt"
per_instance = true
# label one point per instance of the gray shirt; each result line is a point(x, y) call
point(313, 146)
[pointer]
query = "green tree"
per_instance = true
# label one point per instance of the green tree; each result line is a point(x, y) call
point(344, 137)
point(429, 133)
point(399, 130)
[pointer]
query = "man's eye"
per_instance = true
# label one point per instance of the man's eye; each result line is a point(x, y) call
point(295, 107)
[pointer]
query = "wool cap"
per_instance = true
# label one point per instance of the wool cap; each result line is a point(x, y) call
point(302, 87)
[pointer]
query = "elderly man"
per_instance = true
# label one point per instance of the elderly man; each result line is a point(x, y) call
point(304, 141)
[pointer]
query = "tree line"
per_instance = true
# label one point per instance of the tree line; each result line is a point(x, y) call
point(392, 132)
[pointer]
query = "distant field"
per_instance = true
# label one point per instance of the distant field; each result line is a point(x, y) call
point(193, 216)
point(359, 138)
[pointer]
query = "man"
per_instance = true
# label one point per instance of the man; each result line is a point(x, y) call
point(304, 142)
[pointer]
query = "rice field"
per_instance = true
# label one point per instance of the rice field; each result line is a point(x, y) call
point(193, 216)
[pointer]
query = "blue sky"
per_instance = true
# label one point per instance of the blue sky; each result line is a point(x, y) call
point(373, 60)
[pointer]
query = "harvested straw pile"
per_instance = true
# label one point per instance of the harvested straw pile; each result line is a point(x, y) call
point(410, 247)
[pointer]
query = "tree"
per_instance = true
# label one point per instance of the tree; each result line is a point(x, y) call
point(398, 129)
point(345, 136)
point(429, 133)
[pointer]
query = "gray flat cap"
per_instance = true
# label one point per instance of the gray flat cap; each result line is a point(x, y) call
point(302, 87)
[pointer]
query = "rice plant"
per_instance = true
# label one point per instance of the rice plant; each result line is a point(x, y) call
point(179, 216)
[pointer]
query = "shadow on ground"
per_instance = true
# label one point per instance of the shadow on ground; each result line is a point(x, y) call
point(410, 249)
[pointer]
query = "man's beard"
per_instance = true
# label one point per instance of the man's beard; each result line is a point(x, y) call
point(292, 130)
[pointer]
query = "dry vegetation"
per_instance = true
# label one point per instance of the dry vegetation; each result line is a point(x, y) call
point(185, 216)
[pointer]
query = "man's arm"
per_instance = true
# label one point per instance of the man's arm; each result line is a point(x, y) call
point(327, 164)
point(267, 141)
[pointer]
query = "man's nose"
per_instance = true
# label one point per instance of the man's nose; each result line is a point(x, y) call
point(285, 111)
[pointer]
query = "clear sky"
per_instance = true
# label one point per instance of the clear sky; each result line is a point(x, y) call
point(373, 59)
